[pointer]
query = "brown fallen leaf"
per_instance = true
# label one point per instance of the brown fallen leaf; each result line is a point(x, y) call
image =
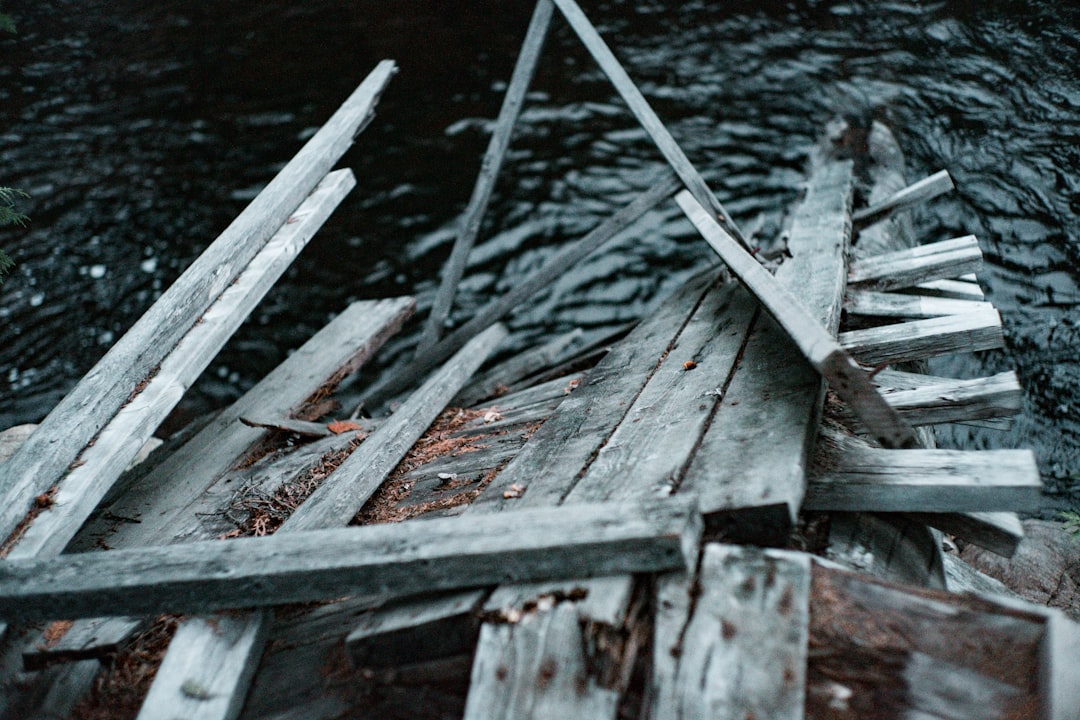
point(689, 365)
point(342, 426)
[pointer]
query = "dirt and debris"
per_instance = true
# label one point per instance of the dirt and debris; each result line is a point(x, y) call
point(42, 502)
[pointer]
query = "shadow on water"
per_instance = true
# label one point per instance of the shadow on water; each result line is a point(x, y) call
point(140, 130)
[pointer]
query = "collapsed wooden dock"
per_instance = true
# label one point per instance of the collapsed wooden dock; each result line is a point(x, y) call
point(733, 509)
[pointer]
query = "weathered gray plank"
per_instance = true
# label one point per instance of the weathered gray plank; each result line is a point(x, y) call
point(77, 419)
point(921, 339)
point(508, 372)
point(959, 400)
point(128, 430)
point(551, 270)
point(808, 333)
point(958, 289)
point(998, 532)
point(926, 481)
point(548, 467)
point(1059, 676)
point(887, 546)
point(645, 115)
point(922, 191)
point(545, 645)
point(901, 305)
point(649, 450)
point(913, 266)
point(393, 559)
point(520, 79)
point(743, 651)
point(340, 497)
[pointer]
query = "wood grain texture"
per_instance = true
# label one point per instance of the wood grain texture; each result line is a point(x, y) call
point(524, 69)
point(391, 560)
point(998, 532)
point(921, 339)
point(958, 400)
point(743, 650)
point(808, 334)
point(871, 303)
point(957, 289)
point(128, 430)
point(918, 192)
point(913, 266)
point(84, 411)
point(887, 546)
point(502, 376)
point(926, 481)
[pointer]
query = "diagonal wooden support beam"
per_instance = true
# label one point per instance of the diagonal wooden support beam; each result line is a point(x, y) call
point(820, 348)
point(645, 115)
point(926, 189)
point(523, 73)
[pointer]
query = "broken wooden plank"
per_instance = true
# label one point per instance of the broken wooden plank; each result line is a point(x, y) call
point(741, 650)
point(922, 191)
point(646, 116)
point(959, 400)
point(808, 333)
point(126, 432)
point(77, 419)
point(494, 311)
point(998, 532)
point(498, 379)
point(913, 266)
point(926, 481)
point(522, 75)
point(415, 630)
point(871, 303)
point(921, 339)
point(394, 559)
point(887, 546)
point(956, 289)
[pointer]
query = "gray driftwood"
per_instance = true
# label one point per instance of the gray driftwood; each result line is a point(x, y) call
point(77, 419)
point(871, 303)
point(396, 559)
point(913, 266)
point(921, 339)
point(926, 189)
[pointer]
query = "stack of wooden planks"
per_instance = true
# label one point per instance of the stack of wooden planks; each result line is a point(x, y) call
point(732, 509)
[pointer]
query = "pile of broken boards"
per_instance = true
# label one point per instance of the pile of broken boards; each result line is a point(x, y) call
point(666, 524)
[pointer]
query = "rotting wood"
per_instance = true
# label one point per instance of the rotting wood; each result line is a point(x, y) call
point(586, 540)
point(646, 116)
point(77, 419)
point(742, 652)
point(491, 313)
point(926, 481)
point(524, 69)
point(871, 303)
point(869, 640)
point(920, 264)
point(809, 335)
point(918, 192)
point(335, 502)
point(921, 339)
point(126, 432)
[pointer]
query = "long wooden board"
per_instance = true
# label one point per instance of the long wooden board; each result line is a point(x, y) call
point(926, 481)
point(125, 433)
point(913, 266)
point(393, 559)
point(921, 339)
point(871, 303)
point(918, 192)
point(77, 419)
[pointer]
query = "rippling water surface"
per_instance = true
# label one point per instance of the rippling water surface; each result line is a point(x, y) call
point(141, 129)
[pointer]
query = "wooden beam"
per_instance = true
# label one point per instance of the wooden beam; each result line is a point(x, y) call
point(520, 79)
point(998, 532)
point(646, 116)
point(502, 376)
point(128, 430)
point(809, 335)
point(547, 273)
point(959, 400)
point(926, 189)
point(956, 289)
point(394, 559)
point(926, 481)
point(77, 419)
point(739, 650)
point(920, 339)
point(415, 631)
point(914, 266)
point(336, 502)
point(870, 303)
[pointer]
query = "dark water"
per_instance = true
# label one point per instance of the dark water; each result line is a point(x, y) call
point(141, 129)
